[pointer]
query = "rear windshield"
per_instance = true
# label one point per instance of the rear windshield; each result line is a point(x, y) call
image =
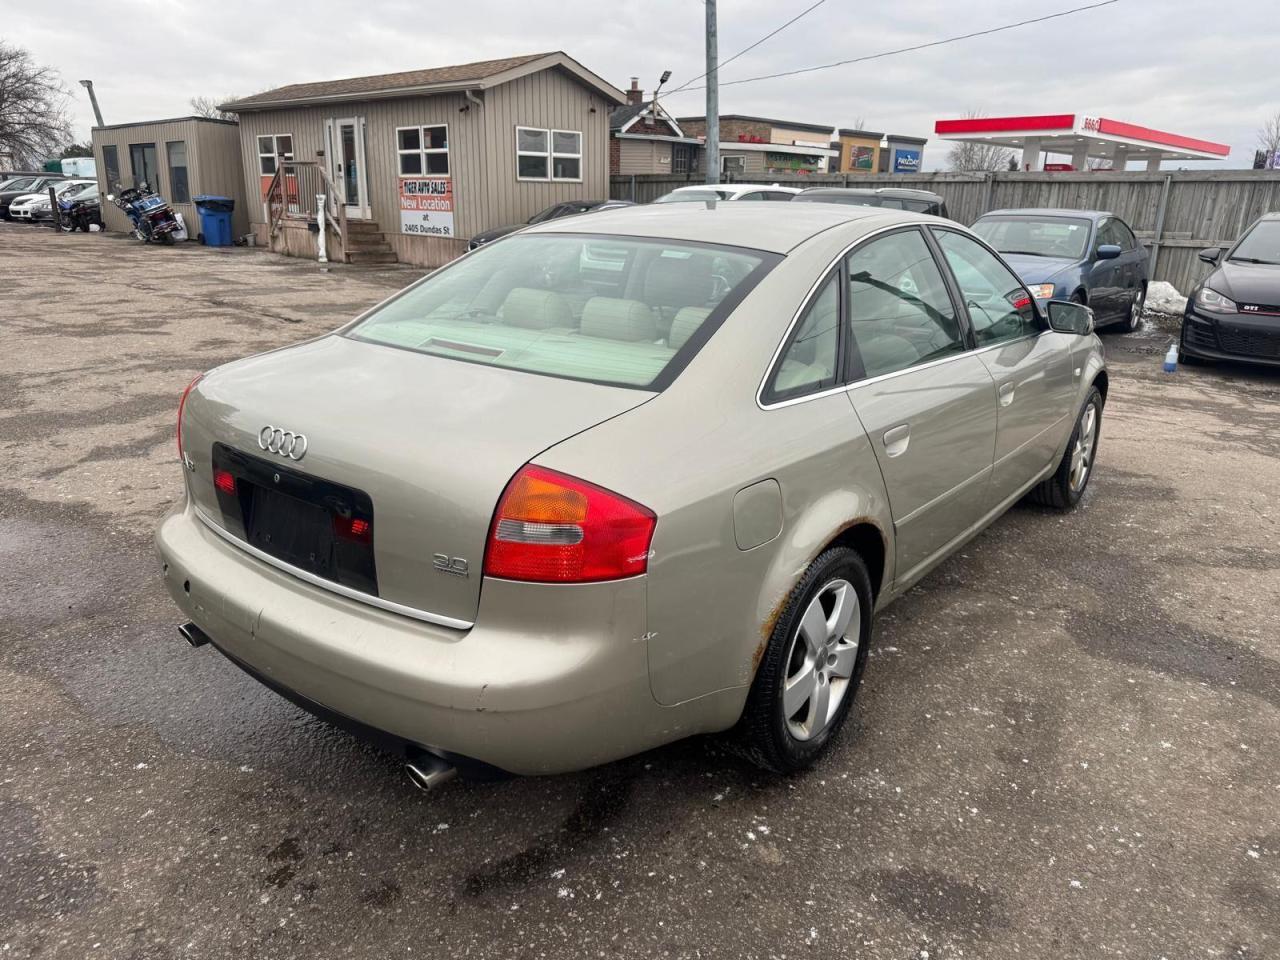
point(614, 310)
point(1036, 236)
point(686, 196)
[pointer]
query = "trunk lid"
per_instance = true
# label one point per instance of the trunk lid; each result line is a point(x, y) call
point(430, 441)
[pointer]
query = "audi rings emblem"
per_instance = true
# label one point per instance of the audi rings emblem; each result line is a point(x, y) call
point(285, 443)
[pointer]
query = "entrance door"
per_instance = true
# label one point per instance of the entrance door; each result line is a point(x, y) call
point(344, 148)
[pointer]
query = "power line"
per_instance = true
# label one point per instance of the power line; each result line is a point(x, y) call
point(750, 48)
point(918, 46)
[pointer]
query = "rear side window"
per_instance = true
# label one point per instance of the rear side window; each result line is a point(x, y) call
point(809, 361)
point(900, 314)
point(1000, 308)
point(614, 310)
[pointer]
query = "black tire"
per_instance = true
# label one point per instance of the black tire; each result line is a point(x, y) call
point(1133, 319)
point(1056, 490)
point(763, 733)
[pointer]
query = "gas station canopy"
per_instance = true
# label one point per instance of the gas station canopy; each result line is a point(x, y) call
point(1082, 138)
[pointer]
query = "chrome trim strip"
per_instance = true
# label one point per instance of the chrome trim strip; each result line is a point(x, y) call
point(388, 605)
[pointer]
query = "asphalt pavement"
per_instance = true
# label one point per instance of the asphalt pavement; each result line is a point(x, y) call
point(1066, 745)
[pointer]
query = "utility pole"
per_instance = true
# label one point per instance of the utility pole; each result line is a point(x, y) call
point(713, 97)
point(88, 85)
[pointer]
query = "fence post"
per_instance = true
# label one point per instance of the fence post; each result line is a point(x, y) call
point(320, 237)
point(1159, 231)
point(633, 188)
point(991, 185)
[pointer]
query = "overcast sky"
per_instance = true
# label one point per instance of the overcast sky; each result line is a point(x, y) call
point(1204, 68)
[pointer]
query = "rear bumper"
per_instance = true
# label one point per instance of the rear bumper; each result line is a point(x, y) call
point(1231, 337)
point(550, 679)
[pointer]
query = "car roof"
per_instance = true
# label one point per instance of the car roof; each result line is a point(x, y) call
point(899, 192)
point(1049, 212)
point(774, 227)
point(736, 188)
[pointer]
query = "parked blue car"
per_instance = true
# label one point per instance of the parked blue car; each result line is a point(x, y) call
point(1090, 256)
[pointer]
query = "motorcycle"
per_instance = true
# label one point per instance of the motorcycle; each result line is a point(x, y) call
point(80, 214)
point(151, 216)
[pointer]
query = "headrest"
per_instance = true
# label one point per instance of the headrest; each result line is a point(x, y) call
point(614, 319)
point(686, 323)
point(535, 309)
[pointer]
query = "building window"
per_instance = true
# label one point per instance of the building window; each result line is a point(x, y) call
point(423, 150)
point(736, 164)
point(179, 187)
point(272, 148)
point(684, 158)
point(142, 158)
point(548, 154)
point(111, 163)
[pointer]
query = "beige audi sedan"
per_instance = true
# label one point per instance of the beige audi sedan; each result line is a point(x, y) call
point(602, 485)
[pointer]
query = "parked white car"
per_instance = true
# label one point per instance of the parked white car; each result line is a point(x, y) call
point(35, 206)
point(727, 191)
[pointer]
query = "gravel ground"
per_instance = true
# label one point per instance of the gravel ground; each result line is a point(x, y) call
point(1066, 746)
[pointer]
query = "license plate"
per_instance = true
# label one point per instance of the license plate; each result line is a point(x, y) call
point(298, 533)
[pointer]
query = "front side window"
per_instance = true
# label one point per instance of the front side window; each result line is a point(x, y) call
point(1110, 232)
point(809, 361)
point(111, 164)
point(614, 310)
point(423, 151)
point(272, 148)
point(142, 157)
point(179, 186)
point(548, 154)
point(1036, 236)
point(900, 314)
point(1000, 308)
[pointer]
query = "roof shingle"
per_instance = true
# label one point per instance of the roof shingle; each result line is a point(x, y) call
point(385, 82)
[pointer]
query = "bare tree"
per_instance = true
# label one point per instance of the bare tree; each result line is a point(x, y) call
point(33, 108)
point(208, 107)
point(1269, 141)
point(979, 156)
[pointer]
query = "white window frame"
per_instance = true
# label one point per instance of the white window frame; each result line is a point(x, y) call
point(550, 154)
point(275, 154)
point(423, 150)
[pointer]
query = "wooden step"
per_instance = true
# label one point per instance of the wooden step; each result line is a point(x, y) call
point(371, 256)
point(357, 246)
point(363, 226)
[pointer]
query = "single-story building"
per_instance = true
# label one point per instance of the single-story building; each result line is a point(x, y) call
point(758, 146)
point(644, 138)
point(179, 159)
point(417, 162)
point(902, 154)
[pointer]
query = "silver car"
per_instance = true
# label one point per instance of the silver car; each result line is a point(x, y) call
point(612, 482)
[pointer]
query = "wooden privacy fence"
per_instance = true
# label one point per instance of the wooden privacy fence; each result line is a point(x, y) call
point(1174, 213)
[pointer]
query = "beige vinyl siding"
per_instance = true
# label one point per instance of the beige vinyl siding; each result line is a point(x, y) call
point(643, 157)
point(213, 166)
point(482, 153)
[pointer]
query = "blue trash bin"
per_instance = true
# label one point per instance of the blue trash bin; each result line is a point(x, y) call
point(215, 219)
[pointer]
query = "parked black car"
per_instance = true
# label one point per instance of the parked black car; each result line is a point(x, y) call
point(553, 212)
point(894, 198)
point(24, 184)
point(1234, 314)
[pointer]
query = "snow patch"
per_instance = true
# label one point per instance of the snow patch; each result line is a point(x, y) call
point(1163, 297)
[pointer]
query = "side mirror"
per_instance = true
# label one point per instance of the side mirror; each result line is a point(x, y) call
point(1211, 255)
point(1109, 251)
point(1067, 316)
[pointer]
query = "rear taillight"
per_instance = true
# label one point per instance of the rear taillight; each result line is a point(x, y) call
point(224, 481)
point(553, 528)
point(353, 528)
point(181, 405)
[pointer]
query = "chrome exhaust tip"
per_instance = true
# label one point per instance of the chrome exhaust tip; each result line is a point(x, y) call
point(427, 771)
point(193, 634)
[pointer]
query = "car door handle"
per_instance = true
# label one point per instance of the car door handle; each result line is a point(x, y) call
point(896, 439)
point(1006, 394)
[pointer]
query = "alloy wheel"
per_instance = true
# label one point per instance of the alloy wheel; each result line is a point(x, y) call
point(821, 659)
point(1135, 310)
point(1085, 447)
